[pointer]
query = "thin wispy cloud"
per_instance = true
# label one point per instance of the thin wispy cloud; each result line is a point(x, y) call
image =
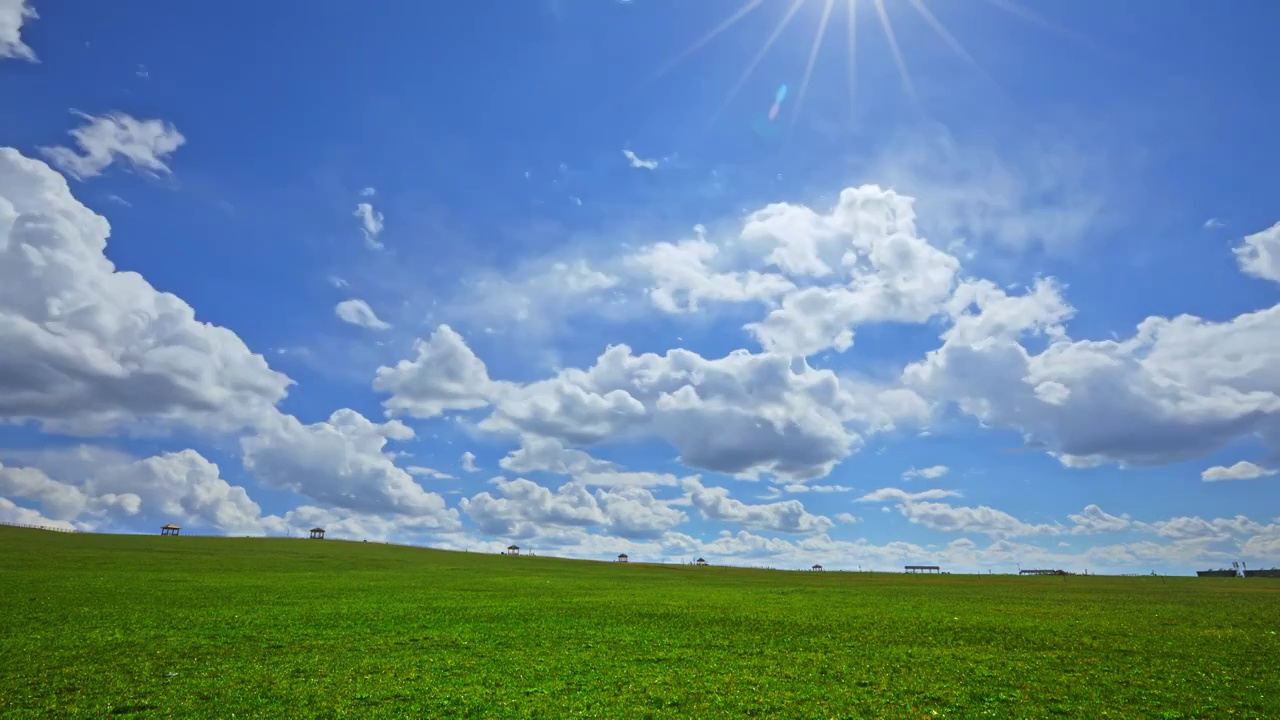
point(638, 162)
point(371, 224)
point(142, 145)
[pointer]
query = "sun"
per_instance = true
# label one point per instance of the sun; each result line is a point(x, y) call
point(850, 9)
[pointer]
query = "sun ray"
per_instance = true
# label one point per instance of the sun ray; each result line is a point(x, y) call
point(1013, 8)
point(727, 23)
point(782, 25)
point(853, 60)
point(893, 48)
point(950, 39)
point(813, 58)
point(1018, 11)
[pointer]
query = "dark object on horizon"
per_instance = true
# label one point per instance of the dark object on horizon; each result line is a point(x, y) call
point(701, 562)
point(1225, 572)
point(923, 569)
point(1042, 572)
point(513, 549)
point(317, 533)
point(816, 567)
point(169, 529)
point(622, 557)
point(1272, 573)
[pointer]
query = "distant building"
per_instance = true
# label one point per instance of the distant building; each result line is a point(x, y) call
point(513, 549)
point(1224, 572)
point(317, 533)
point(622, 558)
point(1272, 573)
point(170, 529)
point(816, 567)
point(701, 562)
point(923, 569)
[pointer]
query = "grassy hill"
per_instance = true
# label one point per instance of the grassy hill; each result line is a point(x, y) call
point(97, 625)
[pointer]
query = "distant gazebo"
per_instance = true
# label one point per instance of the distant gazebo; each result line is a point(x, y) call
point(622, 557)
point(317, 533)
point(513, 549)
point(933, 569)
point(816, 567)
point(169, 529)
point(701, 562)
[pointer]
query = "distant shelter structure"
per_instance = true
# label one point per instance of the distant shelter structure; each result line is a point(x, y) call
point(169, 529)
point(513, 549)
point(700, 562)
point(816, 567)
point(1042, 572)
point(932, 569)
point(623, 558)
point(317, 533)
point(1221, 572)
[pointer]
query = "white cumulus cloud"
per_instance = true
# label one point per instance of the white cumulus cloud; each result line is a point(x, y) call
point(1093, 520)
point(343, 462)
point(99, 489)
point(1259, 254)
point(443, 375)
point(358, 312)
point(1176, 389)
point(1242, 470)
point(468, 462)
point(13, 14)
point(85, 348)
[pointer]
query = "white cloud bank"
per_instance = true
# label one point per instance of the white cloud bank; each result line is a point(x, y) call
point(92, 488)
point(143, 145)
point(84, 348)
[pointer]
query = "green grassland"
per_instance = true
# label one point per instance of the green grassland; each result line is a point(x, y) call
point(99, 625)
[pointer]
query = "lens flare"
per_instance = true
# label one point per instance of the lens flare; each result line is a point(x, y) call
point(742, 79)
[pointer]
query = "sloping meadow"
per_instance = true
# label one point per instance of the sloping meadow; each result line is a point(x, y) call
point(98, 625)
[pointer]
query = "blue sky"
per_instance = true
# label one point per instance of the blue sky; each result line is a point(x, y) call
point(1041, 268)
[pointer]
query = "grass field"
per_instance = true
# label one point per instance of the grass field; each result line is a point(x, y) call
point(97, 625)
